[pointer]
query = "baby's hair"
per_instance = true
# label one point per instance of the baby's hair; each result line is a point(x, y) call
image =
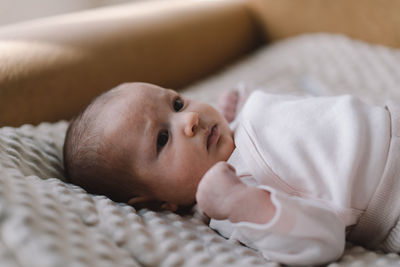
point(87, 159)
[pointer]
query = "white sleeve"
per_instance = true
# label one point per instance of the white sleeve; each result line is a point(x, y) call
point(302, 232)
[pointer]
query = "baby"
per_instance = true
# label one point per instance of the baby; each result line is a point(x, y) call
point(291, 176)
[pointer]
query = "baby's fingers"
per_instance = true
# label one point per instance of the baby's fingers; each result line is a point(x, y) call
point(222, 167)
point(227, 104)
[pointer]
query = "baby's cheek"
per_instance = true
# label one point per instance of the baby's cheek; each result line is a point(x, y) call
point(228, 148)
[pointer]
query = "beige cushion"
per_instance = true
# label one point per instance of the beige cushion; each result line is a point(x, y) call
point(51, 68)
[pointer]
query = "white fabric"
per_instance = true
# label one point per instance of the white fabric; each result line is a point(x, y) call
point(383, 212)
point(321, 158)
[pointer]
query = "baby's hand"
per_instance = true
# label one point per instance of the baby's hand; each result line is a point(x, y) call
point(217, 191)
point(227, 104)
point(230, 102)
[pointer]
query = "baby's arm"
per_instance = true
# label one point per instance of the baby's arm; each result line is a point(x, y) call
point(304, 232)
point(221, 195)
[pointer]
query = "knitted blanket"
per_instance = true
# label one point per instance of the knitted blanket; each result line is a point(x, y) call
point(47, 222)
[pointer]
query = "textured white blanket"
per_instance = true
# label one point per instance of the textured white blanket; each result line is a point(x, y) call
point(46, 222)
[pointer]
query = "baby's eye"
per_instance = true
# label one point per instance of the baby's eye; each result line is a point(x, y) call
point(178, 104)
point(162, 139)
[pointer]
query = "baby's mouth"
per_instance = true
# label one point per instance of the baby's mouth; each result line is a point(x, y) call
point(213, 136)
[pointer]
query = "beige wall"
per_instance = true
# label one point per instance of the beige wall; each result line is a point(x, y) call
point(12, 11)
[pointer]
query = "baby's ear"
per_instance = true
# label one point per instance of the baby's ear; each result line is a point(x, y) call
point(140, 202)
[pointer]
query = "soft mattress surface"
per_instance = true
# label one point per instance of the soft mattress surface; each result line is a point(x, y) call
point(47, 222)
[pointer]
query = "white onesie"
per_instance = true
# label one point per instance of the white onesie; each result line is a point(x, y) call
point(322, 159)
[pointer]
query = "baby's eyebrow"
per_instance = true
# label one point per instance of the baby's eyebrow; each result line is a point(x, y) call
point(173, 92)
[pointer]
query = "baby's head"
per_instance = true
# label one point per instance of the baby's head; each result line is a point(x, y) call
point(145, 145)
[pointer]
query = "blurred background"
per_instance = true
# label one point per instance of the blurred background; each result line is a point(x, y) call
point(14, 11)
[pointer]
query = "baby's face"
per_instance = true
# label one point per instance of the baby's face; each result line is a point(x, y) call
point(171, 141)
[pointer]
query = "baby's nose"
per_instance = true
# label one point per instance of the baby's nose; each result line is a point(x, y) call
point(191, 123)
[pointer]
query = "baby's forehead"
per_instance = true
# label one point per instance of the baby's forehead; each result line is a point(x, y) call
point(131, 108)
point(136, 104)
point(142, 93)
point(124, 125)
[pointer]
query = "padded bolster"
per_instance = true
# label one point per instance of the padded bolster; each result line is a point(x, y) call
point(51, 68)
point(368, 20)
